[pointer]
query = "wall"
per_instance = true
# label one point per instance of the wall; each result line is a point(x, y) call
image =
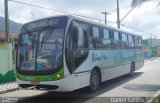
point(158, 51)
point(6, 63)
point(146, 49)
point(153, 51)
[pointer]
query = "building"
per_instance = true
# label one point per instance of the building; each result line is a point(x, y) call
point(12, 36)
point(158, 51)
point(151, 47)
point(146, 49)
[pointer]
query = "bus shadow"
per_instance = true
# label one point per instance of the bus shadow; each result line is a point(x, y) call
point(81, 95)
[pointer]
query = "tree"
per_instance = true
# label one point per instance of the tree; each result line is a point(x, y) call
point(136, 3)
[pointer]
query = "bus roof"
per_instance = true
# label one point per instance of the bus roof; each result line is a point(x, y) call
point(103, 25)
point(87, 21)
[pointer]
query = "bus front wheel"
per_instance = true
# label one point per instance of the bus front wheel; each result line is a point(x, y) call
point(94, 81)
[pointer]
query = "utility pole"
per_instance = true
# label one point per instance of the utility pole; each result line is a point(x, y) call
point(105, 13)
point(118, 18)
point(6, 20)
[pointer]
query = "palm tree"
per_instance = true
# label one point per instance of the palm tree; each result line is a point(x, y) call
point(136, 3)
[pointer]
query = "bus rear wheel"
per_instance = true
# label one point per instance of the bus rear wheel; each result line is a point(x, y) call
point(132, 69)
point(94, 81)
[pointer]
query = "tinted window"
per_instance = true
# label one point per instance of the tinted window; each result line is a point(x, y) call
point(106, 33)
point(116, 35)
point(106, 43)
point(95, 31)
point(82, 36)
point(76, 45)
point(131, 41)
point(117, 42)
point(95, 39)
point(124, 37)
point(106, 40)
point(138, 42)
point(124, 41)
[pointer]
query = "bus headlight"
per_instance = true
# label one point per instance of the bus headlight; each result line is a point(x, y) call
point(19, 76)
point(58, 76)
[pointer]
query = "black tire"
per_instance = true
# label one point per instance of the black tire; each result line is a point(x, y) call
point(132, 70)
point(94, 81)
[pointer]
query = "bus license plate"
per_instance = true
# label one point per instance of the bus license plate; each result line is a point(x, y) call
point(35, 83)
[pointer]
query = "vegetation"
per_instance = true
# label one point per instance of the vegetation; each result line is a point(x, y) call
point(13, 26)
point(136, 3)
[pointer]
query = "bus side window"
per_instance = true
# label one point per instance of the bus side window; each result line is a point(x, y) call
point(138, 43)
point(82, 36)
point(134, 42)
point(76, 45)
point(131, 41)
point(106, 42)
point(95, 37)
point(120, 38)
point(124, 41)
point(117, 43)
point(141, 43)
point(81, 52)
point(95, 32)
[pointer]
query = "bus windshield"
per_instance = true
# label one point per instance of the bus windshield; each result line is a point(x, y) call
point(40, 45)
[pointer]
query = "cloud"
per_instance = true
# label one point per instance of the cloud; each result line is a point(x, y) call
point(1, 7)
point(144, 18)
point(83, 7)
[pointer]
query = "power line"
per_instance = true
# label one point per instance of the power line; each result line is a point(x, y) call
point(76, 14)
point(58, 11)
point(127, 14)
point(136, 29)
point(38, 6)
point(112, 11)
point(132, 28)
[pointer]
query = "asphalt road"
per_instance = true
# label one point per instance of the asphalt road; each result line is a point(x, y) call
point(145, 83)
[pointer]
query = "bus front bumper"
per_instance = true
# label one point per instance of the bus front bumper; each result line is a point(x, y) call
point(68, 83)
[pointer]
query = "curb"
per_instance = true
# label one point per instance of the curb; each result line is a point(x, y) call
point(8, 90)
point(152, 59)
point(154, 98)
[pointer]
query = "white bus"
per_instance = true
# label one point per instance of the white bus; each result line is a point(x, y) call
point(65, 53)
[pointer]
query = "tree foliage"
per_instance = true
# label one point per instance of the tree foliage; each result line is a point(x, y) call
point(136, 3)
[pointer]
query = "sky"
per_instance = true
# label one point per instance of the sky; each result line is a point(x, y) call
point(145, 18)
